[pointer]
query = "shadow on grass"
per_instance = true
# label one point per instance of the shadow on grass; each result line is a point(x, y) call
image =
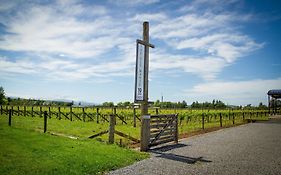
point(161, 152)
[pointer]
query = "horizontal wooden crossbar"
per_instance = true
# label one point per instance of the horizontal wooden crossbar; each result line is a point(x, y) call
point(161, 142)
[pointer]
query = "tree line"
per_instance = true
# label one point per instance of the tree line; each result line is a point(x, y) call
point(215, 104)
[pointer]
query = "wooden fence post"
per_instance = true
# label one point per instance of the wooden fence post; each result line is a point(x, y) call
point(59, 114)
point(18, 110)
point(111, 129)
point(243, 116)
point(83, 114)
point(41, 111)
point(97, 115)
point(10, 117)
point(50, 113)
point(145, 132)
point(134, 113)
point(203, 121)
point(156, 110)
point(114, 113)
point(32, 111)
point(233, 118)
point(45, 121)
point(12, 110)
point(220, 120)
point(1, 109)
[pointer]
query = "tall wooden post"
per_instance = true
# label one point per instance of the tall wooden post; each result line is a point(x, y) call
point(145, 120)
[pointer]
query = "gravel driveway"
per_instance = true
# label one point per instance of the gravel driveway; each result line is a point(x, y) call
point(253, 148)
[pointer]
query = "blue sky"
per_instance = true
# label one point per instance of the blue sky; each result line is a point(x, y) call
point(85, 50)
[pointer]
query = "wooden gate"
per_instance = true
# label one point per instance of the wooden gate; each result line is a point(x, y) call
point(163, 129)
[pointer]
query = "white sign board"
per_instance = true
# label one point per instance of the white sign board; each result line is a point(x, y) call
point(139, 77)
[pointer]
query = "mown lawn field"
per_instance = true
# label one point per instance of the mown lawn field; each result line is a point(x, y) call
point(24, 151)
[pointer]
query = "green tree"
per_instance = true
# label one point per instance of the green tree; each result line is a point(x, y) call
point(2, 95)
point(108, 104)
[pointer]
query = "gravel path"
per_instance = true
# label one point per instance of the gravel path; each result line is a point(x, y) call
point(253, 148)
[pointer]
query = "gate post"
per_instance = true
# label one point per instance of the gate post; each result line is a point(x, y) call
point(177, 131)
point(145, 133)
point(111, 128)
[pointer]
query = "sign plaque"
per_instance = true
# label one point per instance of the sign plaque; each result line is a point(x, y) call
point(139, 76)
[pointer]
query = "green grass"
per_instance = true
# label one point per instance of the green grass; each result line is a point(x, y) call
point(27, 152)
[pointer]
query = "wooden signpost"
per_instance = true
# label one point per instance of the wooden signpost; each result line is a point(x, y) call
point(141, 84)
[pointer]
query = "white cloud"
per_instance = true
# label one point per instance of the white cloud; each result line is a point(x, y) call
point(68, 31)
point(6, 5)
point(50, 29)
point(134, 2)
point(158, 17)
point(236, 92)
point(18, 67)
point(206, 67)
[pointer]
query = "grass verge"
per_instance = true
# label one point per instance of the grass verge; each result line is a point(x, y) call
point(26, 152)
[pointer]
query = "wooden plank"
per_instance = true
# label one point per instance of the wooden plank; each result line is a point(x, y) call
point(161, 121)
point(37, 113)
point(162, 138)
point(104, 117)
point(173, 123)
point(161, 142)
point(98, 134)
point(158, 130)
point(121, 119)
point(76, 116)
point(164, 126)
point(127, 136)
point(162, 116)
point(65, 115)
point(138, 118)
point(168, 132)
point(88, 115)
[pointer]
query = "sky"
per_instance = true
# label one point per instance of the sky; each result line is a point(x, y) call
point(86, 50)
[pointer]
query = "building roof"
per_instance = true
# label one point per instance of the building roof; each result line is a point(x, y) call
point(275, 93)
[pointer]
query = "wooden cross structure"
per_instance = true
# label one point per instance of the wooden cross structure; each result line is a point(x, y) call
point(141, 84)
